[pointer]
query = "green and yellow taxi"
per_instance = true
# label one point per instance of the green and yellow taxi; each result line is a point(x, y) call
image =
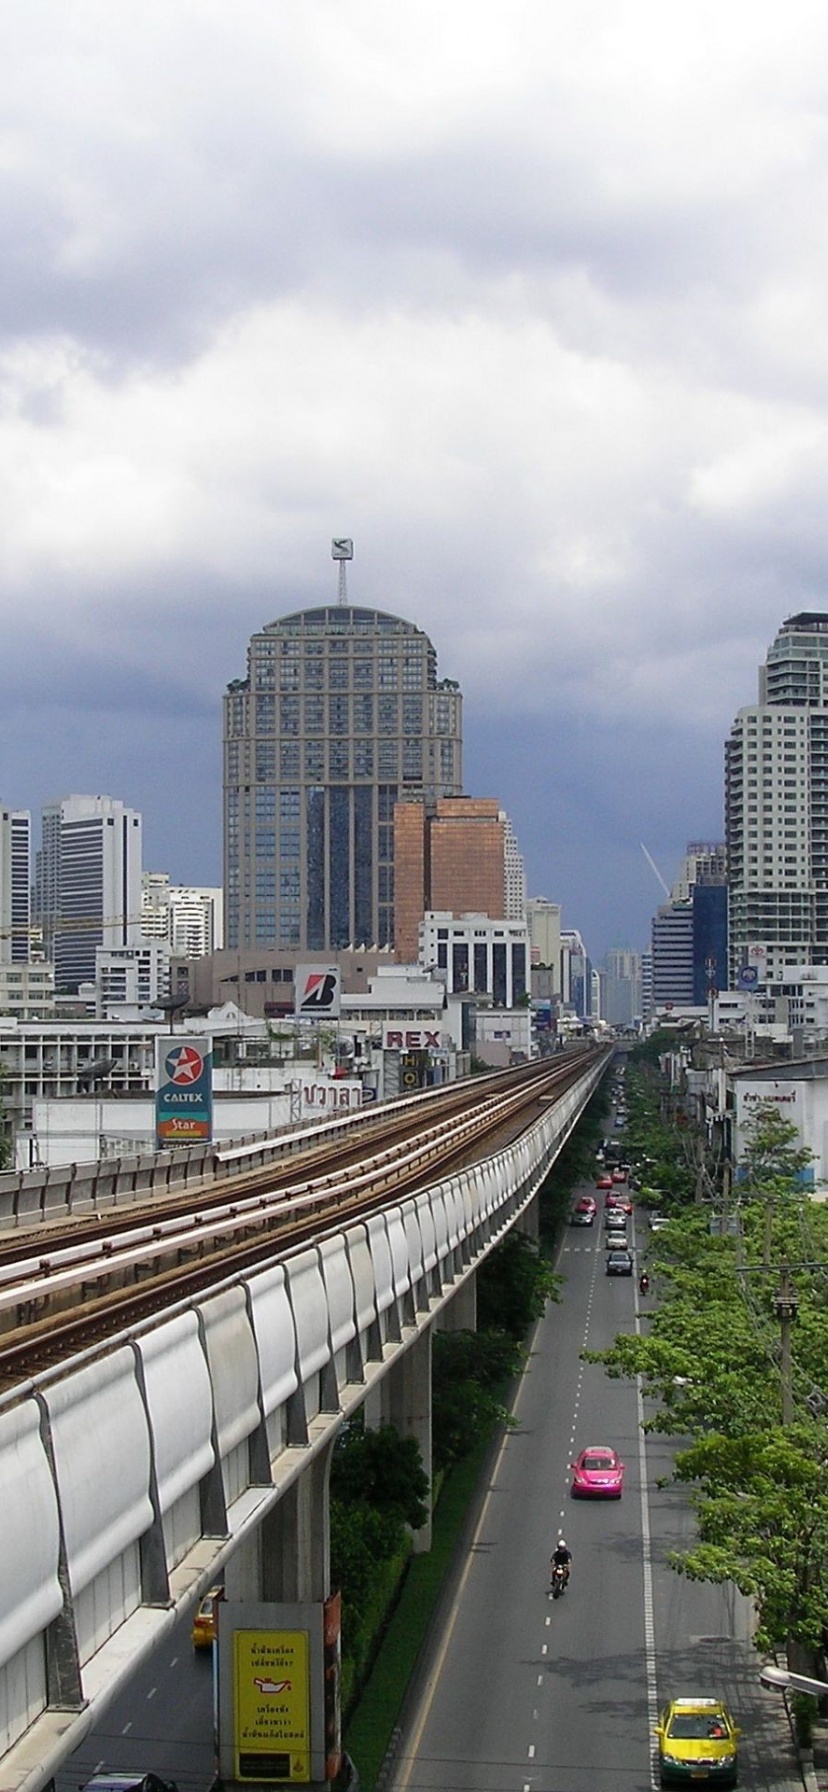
point(697, 1740)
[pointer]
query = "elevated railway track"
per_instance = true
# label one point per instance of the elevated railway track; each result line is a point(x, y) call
point(65, 1288)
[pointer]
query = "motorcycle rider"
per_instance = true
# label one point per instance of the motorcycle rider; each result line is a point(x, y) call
point(643, 1282)
point(561, 1558)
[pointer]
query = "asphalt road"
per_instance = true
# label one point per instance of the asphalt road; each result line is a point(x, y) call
point(163, 1723)
point(520, 1691)
point(526, 1693)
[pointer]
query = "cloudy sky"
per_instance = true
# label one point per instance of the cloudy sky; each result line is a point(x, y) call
point(528, 298)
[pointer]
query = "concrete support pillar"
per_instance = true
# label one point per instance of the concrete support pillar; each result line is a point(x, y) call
point(460, 1313)
point(528, 1221)
point(289, 1558)
point(406, 1403)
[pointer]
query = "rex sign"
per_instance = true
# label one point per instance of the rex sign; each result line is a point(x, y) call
point(411, 1039)
point(183, 1091)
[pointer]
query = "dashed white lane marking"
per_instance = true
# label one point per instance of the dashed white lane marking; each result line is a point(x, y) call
point(152, 1692)
point(531, 1751)
point(127, 1726)
point(647, 1555)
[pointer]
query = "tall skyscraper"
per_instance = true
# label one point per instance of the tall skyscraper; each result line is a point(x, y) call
point(88, 883)
point(776, 809)
point(622, 986)
point(15, 885)
point(672, 954)
point(458, 856)
point(340, 715)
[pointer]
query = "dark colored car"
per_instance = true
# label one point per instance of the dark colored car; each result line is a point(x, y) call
point(129, 1782)
point(619, 1263)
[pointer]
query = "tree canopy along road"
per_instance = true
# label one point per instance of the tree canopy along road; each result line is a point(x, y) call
point(523, 1692)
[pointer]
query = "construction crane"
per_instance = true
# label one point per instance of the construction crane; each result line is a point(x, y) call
point(653, 867)
point(71, 924)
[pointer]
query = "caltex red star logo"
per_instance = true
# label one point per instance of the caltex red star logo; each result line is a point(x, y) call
point(184, 1064)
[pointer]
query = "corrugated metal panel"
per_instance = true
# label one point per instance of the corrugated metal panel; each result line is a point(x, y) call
point(102, 1459)
point(180, 1405)
point(275, 1337)
point(310, 1312)
point(336, 1274)
point(234, 1368)
point(29, 1533)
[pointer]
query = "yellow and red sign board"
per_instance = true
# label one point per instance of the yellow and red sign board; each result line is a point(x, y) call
point(271, 1675)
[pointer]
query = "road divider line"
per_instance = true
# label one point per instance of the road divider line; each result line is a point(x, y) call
point(647, 1560)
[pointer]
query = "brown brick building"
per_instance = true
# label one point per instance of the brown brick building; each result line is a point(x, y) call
point(450, 856)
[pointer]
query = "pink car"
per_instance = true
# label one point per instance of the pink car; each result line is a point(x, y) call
point(598, 1473)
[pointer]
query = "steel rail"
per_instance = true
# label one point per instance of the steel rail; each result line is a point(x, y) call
point(45, 1335)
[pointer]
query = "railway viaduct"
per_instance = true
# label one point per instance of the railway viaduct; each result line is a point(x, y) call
point(196, 1445)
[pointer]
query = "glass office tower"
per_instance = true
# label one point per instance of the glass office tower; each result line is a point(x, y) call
point(341, 714)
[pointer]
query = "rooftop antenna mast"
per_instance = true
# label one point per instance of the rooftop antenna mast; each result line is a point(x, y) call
point(653, 867)
point(342, 550)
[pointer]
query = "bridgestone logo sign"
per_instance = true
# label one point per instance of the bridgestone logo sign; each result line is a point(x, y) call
point(318, 991)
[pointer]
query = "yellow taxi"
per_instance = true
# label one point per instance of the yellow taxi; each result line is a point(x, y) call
point(204, 1631)
point(697, 1740)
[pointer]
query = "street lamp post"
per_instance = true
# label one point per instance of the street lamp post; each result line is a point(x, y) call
point(783, 1680)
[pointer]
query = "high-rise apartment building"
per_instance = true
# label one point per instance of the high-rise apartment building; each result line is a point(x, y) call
point(672, 955)
point(622, 986)
point(543, 919)
point(340, 716)
point(15, 885)
point(88, 883)
point(189, 920)
point(515, 867)
point(776, 809)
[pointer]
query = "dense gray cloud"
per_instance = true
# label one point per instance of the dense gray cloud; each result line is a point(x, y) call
point(527, 299)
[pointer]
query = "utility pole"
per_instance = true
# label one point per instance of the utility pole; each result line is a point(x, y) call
point(786, 1311)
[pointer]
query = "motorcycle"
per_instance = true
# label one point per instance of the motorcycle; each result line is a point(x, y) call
point(643, 1282)
point(560, 1576)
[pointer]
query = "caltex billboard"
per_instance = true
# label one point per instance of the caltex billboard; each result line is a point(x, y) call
point(183, 1092)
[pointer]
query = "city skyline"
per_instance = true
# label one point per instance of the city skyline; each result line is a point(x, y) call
point(526, 304)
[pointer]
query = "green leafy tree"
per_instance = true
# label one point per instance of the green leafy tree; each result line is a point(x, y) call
point(468, 1370)
point(762, 1506)
point(382, 1469)
point(513, 1286)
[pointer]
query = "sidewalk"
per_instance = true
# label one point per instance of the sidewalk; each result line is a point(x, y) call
point(768, 1758)
point(816, 1774)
